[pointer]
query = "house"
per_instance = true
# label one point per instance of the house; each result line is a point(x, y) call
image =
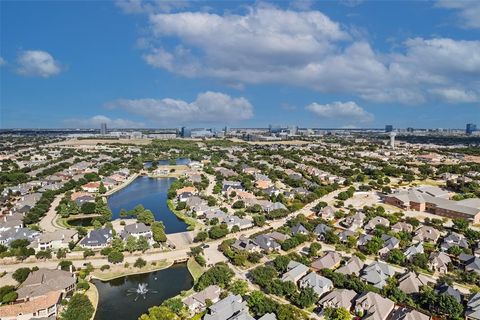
point(229, 186)
point(299, 229)
point(191, 190)
point(43, 281)
point(91, 187)
point(404, 313)
point(268, 316)
point(278, 236)
point(58, 239)
point(320, 230)
point(11, 234)
point(411, 251)
point(411, 282)
point(473, 307)
point(402, 227)
point(470, 263)
point(97, 239)
point(197, 302)
point(327, 213)
point(353, 266)
point(230, 308)
point(389, 243)
point(267, 243)
point(345, 234)
point(245, 244)
point(376, 221)
point(426, 233)
point(373, 306)
point(338, 298)
point(354, 222)
point(377, 274)
point(452, 240)
point(319, 284)
point(295, 271)
point(136, 230)
point(449, 290)
point(438, 262)
point(42, 307)
point(329, 260)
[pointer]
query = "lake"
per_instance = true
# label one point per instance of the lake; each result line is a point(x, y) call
point(179, 161)
point(115, 301)
point(152, 193)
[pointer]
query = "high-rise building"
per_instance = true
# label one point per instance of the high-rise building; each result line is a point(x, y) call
point(392, 139)
point(292, 130)
point(388, 128)
point(410, 129)
point(471, 128)
point(186, 132)
point(103, 129)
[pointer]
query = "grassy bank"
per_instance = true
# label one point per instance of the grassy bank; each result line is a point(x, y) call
point(121, 271)
point(191, 222)
point(195, 269)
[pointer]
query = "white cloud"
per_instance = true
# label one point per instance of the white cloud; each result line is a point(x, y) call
point(468, 11)
point(150, 6)
point(2, 62)
point(307, 49)
point(455, 95)
point(343, 111)
point(37, 63)
point(96, 121)
point(208, 107)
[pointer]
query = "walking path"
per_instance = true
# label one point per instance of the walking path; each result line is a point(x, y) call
point(48, 221)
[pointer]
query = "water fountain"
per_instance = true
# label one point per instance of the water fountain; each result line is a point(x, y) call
point(140, 291)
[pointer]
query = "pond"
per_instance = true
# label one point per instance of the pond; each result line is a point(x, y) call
point(152, 193)
point(80, 222)
point(179, 161)
point(118, 298)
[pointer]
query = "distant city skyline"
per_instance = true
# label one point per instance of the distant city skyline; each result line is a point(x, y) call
point(173, 64)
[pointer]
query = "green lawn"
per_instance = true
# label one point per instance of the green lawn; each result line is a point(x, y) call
point(195, 269)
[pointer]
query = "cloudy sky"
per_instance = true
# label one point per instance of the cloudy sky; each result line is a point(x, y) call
point(132, 63)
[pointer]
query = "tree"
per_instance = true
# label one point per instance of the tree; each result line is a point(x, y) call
point(6, 290)
point(239, 287)
point(88, 253)
point(420, 260)
point(314, 248)
point(455, 250)
point(131, 244)
point(140, 263)
point(374, 245)
point(220, 274)
point(88, 207)
point(9, 297)
point(281, 263)
point(260, 304)
point(65, 265)
point(115, 257)
point(460, 224)
point(79, 308)
point(21, 274)
point(306, 298)
point(336, 313)
point(142, 244)
point(158, 231)
point(396, 256)
point(218, 231)
point(43, 254)
point(174, 304)
point(101, 188)
point(238, 204)
point(201, 236)
point(146, 216)
point(288, 312)
point(159, 313)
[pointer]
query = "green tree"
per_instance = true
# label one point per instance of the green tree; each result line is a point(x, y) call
point(146, 216)
point(220, 274)
point(158, 231)
point(306, 298)
point(88, 207)
point(9, 297)
point(239, 287)
point(79, 308)
point(131, 244)
point(140, 263)
point(115, 257)
point(159, 313)
point(101, 188)
point(396, 256)
point(336, 313)
point(142, 244)
point(21, 274)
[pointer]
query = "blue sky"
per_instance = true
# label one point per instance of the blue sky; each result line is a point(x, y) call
point(134, 63)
